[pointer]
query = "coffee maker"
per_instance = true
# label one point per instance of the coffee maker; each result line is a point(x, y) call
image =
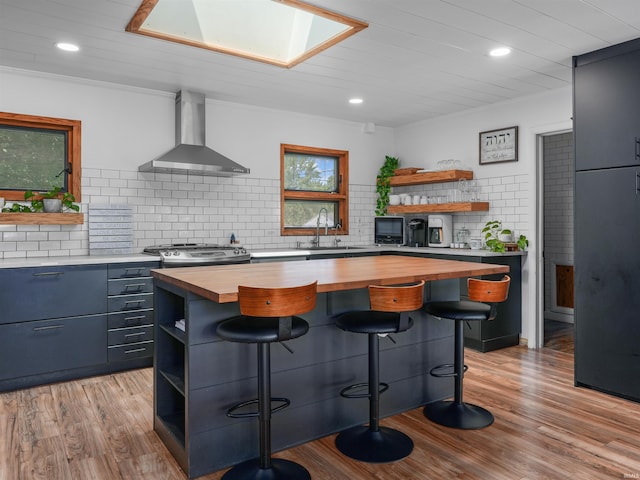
point(416, 233)
point(439, 230)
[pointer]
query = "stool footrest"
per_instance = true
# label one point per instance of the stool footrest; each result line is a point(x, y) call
point(231, 413)
point(434, 372)
point(382, 387)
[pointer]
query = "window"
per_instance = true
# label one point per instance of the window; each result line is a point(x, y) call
point(38, 153)
point(314, 190)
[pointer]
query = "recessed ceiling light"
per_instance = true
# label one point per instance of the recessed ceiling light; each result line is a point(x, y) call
point(500, 52)
point(355, 101)
point(67, 47)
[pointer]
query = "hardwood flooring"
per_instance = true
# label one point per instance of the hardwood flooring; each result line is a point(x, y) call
point(559, 335)
point(101, 429)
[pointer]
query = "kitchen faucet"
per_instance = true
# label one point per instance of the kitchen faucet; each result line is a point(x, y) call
point(316, 241)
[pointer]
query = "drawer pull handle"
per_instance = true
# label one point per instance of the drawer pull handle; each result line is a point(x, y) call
point(132, 270)
point(49, 327)
point(137, 286)
point(134, 301)
point(135, 334)
point(47, 274)
point(139, 317)
point(135, 350)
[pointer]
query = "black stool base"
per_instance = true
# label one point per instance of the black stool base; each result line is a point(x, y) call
point(384, 446)
point(458, 415)
point(280, 470)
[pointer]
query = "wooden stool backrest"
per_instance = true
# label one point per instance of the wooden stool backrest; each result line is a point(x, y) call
point(277, 302)
point(396, 298)
point(488, 291)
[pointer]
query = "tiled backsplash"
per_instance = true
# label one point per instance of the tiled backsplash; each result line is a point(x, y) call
point(179, 208)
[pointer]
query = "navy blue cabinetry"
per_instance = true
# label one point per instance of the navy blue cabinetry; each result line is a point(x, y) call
point(70, 321)
point(607, 219)
point(130, 304)
point(606, 114)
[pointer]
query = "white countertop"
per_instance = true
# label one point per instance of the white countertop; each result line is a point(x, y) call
point(75, 260)
point(255, 253)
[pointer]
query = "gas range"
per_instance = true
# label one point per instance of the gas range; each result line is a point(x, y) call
point(199, 254)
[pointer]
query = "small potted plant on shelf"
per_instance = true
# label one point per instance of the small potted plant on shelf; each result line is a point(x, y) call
point(497, 238)
point(383, 186)
point(52, 201)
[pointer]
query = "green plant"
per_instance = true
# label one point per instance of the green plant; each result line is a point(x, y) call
point(493, 231)
point(37, 204)
point(383, 186)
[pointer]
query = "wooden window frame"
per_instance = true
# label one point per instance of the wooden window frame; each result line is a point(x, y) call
point(341, 196)
point(74, 132)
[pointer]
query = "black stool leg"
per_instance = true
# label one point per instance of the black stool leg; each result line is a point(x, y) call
point(265, 467)
point(456, 413)
point(373, 443)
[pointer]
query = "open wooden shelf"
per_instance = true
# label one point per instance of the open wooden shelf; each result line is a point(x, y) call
point(440, 207)
point(439, 176)
point(41, 218)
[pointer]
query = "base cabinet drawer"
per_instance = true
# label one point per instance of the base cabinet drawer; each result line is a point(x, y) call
point(40, 293)
point(32, 348)
point(130, 335)
point(134, 318)
point(123, 303)
point(130, 351)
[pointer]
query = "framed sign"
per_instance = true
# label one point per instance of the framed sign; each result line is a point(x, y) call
point(499, 146)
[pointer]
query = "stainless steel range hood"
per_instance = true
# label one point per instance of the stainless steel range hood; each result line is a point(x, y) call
point(191, 155)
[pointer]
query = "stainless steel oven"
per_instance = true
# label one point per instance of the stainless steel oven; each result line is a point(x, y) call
point(198, 254)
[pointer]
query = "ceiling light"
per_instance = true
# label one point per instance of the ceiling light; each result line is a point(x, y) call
point(67, 47)
point(500, 52)
point(355, 101)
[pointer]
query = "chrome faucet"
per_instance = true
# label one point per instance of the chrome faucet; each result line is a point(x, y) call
point(316, 241)
point(336, 240)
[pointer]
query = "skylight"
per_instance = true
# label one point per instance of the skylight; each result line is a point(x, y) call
point(280, 32)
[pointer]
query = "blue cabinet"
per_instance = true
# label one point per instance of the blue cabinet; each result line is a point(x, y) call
point(69, 321)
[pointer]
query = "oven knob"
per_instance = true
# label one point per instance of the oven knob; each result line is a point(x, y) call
point(243, 250)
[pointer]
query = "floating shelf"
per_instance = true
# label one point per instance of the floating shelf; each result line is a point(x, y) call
point(41, 218)
point(439, 176)
point(440, 207)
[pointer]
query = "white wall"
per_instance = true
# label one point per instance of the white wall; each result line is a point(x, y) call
point(123, 127)
point(422, 144)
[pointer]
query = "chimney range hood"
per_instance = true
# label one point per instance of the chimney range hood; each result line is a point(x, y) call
point(191, 155)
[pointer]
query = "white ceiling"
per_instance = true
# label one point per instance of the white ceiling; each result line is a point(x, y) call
point(418, 59)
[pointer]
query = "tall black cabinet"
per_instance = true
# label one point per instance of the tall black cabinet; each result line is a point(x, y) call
point(607, 219)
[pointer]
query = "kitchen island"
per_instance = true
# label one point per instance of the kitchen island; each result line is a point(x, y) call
point(198, 376)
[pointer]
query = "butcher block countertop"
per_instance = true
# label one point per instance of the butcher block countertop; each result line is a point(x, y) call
point(220, 283)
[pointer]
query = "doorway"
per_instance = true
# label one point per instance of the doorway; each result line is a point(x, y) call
point(557, 178)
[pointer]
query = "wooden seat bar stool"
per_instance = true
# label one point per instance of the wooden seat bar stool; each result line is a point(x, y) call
point(267, 315)
point(390, 309)
point(484, 295)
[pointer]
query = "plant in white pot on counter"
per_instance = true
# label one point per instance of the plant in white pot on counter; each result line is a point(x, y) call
point(497, 237)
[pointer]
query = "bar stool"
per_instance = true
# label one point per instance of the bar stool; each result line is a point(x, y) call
point(267, 315)
point(389, 313)
point(483, 296)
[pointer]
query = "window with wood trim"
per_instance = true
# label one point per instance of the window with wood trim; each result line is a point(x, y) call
point(314, 190)
point(38, 154)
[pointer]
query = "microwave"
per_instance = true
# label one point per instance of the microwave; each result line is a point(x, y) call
point(388, 230)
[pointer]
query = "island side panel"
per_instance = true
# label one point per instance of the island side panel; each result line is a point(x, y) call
point(217, 374)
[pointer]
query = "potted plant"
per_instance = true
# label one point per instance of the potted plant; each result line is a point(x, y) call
point(52, 201)
point(383, 186)
point(497, 237)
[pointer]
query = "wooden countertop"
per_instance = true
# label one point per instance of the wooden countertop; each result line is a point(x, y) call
point(220, 283)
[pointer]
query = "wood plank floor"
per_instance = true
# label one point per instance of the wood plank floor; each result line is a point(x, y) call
point(101, 429)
